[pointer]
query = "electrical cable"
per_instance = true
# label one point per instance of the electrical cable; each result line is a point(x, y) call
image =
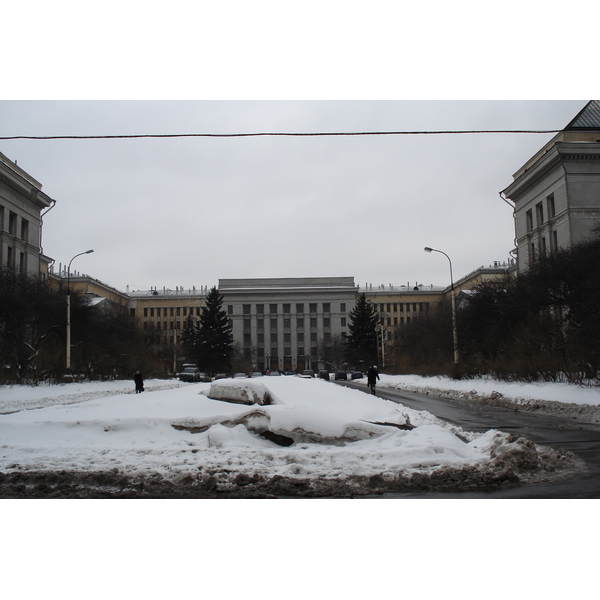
point(273, 134)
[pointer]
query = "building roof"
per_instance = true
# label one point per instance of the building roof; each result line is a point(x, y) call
point(587, 118)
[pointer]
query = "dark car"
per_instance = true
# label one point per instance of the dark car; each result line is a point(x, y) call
point(341, 375)
point(324, 374)
point(308, 373)
point(356, 375)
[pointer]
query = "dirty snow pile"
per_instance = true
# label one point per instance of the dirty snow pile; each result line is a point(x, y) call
point(287, 426)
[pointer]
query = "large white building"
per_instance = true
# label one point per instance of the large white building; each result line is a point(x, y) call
point(556, 194)
point(21, 204)
point(288, 324)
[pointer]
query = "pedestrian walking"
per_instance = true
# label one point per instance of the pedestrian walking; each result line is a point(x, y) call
point(372, 377)
point(139, 382)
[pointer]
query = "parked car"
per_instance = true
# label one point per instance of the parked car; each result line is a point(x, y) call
point(240, 376)
point(221, 376)
point(274, 374)
point(287, 373)
point(308, 373)
point(324, 374)
point(341, 375)
point(356, 375)
point(189, 374)
point(256, 374)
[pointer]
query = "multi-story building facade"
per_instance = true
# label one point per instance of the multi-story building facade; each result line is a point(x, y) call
point(21, 204)
point(556, 194)
point(289, 324)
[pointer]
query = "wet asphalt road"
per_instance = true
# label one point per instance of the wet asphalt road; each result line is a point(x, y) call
point(580, 438)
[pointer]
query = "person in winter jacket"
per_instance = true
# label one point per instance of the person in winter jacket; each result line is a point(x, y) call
point(139, 382)
point(372, 377)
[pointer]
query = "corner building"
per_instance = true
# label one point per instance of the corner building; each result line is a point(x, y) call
point(556, 194)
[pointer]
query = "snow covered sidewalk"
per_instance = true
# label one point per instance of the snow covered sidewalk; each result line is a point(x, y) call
point(174, 432)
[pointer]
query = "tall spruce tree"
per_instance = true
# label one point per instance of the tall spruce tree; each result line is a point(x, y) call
point(212, 344)
point(361, 344)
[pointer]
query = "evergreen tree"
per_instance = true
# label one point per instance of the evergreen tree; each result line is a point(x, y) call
point(213, 343)
point(189, 338)
point(361, 344)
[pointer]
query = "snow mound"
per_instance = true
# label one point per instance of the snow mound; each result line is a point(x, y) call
point(286, 425)
point(240, 391)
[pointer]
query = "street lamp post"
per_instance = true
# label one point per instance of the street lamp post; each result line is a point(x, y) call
point(453, 297)
point(69, 310)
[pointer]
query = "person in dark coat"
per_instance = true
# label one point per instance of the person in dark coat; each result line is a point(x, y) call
point(139, 382)
point(372, 377)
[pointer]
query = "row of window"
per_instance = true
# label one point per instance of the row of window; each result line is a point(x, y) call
point(273, 309)
point(169, 311)
point(543, 248)
point(287, 338)
point(287, 323)
point(401, 307)
point(12, 224)
point(539, 213)
point(11, 257)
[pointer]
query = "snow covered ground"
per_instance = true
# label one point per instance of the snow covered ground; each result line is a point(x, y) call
point(326, 548)
point(175, 431)
point(515, 392)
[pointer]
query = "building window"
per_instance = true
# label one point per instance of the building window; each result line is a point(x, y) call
point(12, 223)
point(343, 307)
point(300, 338)
point(287, 338)
point(299, 308)
point(286, 309)
point(273, 309)
point(261, 338)
point(260, 325)
point(313, 337)
point(326, 323)
point(24, 230)
point(539, 213)
point(551, 206)
point(343, 323)
point(313, 323)
point(300, 323)
point(273, 324)
point(246, 309)
point(312, 308)
point(554, 241)
point(529, 221)
point(247, 325)
point(230, 309)
point(260, 309)
point(326, 307)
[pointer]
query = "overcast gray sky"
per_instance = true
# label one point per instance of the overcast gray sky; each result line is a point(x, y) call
point(186, 212)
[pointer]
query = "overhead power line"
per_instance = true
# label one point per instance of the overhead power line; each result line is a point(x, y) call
point(273, 134)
